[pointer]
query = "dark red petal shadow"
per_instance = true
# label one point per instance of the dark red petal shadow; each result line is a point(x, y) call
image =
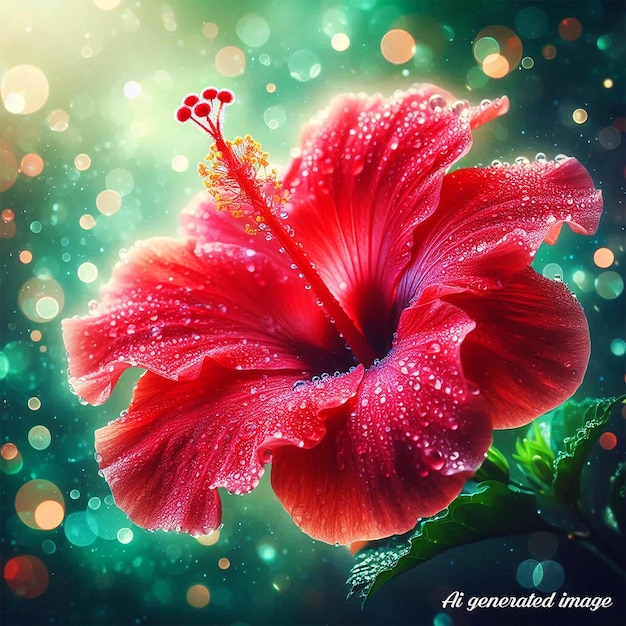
point(529, 350)
point(169, 305)
point(180, 441)
point(403, 446)
point(491, 221)
point(369, 172)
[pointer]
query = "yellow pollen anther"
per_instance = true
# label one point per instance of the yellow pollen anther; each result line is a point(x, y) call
point(221, 174)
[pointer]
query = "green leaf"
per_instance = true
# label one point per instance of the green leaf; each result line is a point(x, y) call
point(579, 427)
point(490, 509)
point(535, 458)
point(494, 467)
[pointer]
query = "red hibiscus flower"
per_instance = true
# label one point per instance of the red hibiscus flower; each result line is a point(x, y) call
point(366, 340)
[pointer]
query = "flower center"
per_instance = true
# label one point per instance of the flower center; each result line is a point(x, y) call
point(237, 175)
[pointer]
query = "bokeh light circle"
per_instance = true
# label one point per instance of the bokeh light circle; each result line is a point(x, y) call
point(180, 163)
point(108, 202)
point(210, 30)
point(41, 299)
point(87, 272)
point(304, 65)
point(230, 61)
point(484, 47)
point(274, 117)
point(198, 596)
point(40, 504)
point(31, 165)
point(570, 29)
point(34, 403)
point(548, 52)
point(607, 441)
point(253, 30)
point(496, 66)
point(494, 42)
point(548, 576)
point(11, 461)
point(26, 576)
point(609, 138)
point(9, 451)
point(87, 221)
point(39, 437)
point(543, 544)
point(397, 46)
point(340, 42)
point(81, 528)
point(618, 347)
point(609, 285)
point(25, 256)
point(531, 22)
point(24, 89)
point(49, 514)
point(8, 168)
point(525, 572)
point(603, 257)
point(209, 540)
point(58, 120)
point(125, 535)
point(82, 162)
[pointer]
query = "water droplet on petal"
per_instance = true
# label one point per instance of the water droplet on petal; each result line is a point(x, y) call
point(433, 459)
point(357, 165)
point(460, 106)
point(437, 102)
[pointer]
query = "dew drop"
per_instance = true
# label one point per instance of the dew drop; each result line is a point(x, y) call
point(460, 106)
point(437, 102)
point(357, 165)
point(328, 166)
point(433, 459)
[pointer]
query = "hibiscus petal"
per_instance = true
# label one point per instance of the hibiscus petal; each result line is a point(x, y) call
point(202, 220)
point(170, 304)
point(179, 441)
point(402, 448)
point(487, 111)
point(491, 221)
point(369, 172)
point(530, 348)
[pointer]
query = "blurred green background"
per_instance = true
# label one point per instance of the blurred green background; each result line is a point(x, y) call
point(91, 159)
